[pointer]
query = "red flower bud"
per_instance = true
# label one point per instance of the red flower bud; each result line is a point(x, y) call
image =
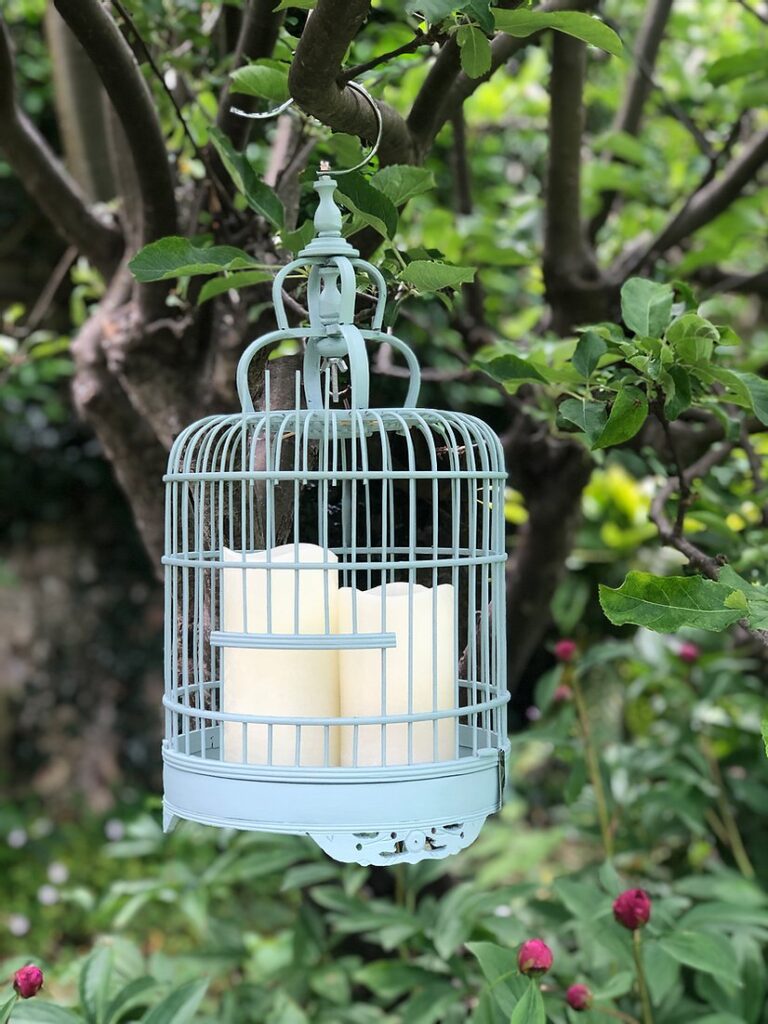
point(689, 652)
point(578, 997)
point(562, 694)
point(28, 981)
point(535, 957)
point(632, 908)
point(565, 649)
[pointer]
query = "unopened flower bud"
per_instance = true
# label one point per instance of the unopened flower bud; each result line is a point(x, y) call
point(534, 957)
point(28, 981)
point(632, 908)
point(578, 997)
point(565, 649)
point(689, 652)
point(562, 694)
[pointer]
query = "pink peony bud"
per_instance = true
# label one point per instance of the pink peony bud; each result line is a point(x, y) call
point(578, 997)
point(28, 981)
point(562, 694)
point(565, 649)
point(689, 652)
point(535, 957)
point(632, 908)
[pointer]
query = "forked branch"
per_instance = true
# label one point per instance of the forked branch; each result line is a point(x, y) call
point(45, 178)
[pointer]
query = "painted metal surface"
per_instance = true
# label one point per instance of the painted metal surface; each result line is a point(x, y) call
point(404, 507)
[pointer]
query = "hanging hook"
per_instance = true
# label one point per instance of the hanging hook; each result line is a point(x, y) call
point(350, 85)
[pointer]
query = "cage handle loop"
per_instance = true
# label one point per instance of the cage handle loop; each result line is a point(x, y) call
point(354, 339)
point(359, 379)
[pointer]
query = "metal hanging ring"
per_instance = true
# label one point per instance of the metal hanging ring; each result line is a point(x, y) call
point(350, 85)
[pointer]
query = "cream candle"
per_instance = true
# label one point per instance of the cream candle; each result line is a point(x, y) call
point(275, 683)
point(414, 618)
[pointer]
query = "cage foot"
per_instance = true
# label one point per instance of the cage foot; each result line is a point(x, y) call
point(170, 820)
point(399, 846)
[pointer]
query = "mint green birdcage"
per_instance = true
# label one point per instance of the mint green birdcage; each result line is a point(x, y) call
point(334, 580)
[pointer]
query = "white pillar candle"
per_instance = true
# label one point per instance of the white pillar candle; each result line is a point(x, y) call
point(294, 683)
point(415, 615)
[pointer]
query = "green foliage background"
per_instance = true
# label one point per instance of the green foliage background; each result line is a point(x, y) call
point(666, 786)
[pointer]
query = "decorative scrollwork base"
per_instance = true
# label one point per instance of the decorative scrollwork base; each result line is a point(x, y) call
point(399, 846)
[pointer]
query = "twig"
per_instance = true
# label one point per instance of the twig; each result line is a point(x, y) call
point(46, 296)
point(707, 564)
point(710, 197)
point(157, 72)
point(752, 10)
point(420, 39)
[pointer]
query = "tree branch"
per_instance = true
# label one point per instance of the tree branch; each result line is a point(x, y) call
point(535, 460)
point(313, 81)
point(122, 79)
point(446, 88)
point(43, 175)
point(259, 30)
point(568, 263)
point(702, 206)
point(640, 83)
point(672, 534)
point(419, 39)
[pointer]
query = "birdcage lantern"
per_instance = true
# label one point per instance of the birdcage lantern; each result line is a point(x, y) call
point(334, 580)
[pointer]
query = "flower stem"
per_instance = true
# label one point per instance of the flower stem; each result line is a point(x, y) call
point(641, 984)
point(593, 764)
point(727, 817)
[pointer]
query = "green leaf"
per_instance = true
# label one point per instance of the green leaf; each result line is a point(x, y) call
point(704, 951)
point(399, 182)
point(737, 65)
point(178, 257)
point(302, 5)
point(523, 23)
point(758, 393)
point(429, 276)
point(299, 239)
point(219, 285)
point(390, 979)
point(136, 993)
point(368, 203)
point(587, 353)
point(179, 1006)
point(628, 413)
point(475, 51)
point(755, 598)
point(586, 415)
point(7, 1007)
point(669, 603)
point(678, 395)
point(693, 338)
point(434, 11)
point(480, 11)
point(259, 196)
point(530, 1009)
point(267, 79)
point(511, 369)
point(646, 306)
point(581, 900)
point(94, 984)
point(37, 1011)
point(500, 971)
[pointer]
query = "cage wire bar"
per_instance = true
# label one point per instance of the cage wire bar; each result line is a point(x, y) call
point(335, 634)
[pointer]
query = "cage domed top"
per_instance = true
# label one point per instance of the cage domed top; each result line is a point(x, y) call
point(335, 642)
